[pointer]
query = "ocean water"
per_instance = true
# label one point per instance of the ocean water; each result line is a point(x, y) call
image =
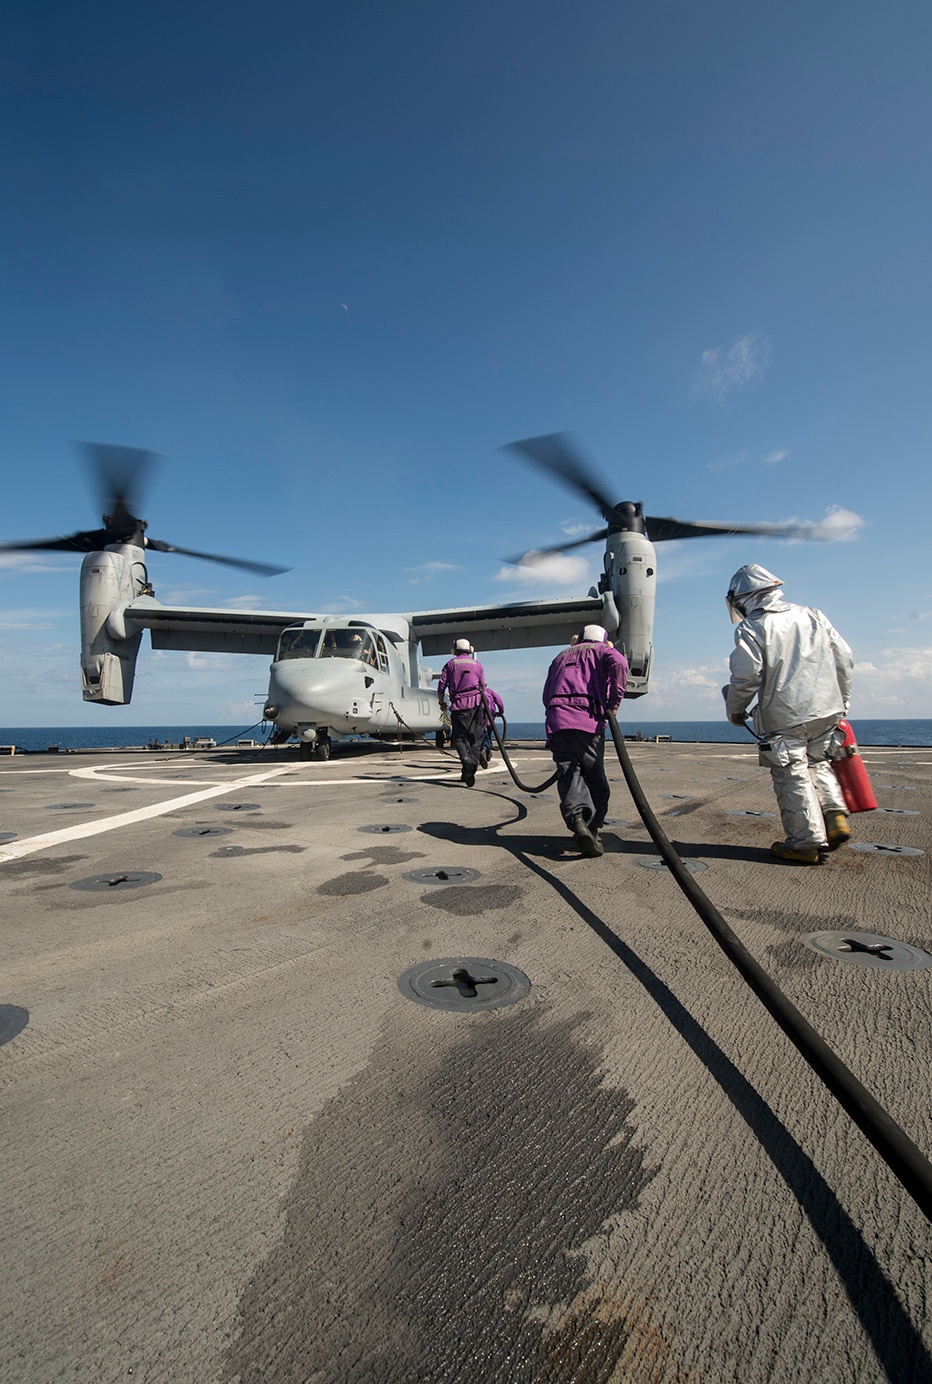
point(712, 732)
point(116, 737)
point(707, 732)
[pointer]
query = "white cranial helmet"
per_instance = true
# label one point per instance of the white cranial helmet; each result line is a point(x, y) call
point(594, 634)
point(462, 646)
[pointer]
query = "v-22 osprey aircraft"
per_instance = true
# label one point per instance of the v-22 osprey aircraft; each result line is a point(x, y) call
point(337, 675)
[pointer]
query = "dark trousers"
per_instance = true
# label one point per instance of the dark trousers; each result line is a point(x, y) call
point(466, 729)
point(581, 781)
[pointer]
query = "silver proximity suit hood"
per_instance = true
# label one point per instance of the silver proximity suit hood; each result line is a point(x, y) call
point(792, 659)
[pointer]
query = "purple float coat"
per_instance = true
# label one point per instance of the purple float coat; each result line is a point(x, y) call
point(583, 682)
point(462, 677)
point(496, 705)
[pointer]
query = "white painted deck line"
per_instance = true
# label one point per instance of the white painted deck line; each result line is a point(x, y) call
point(15, 850)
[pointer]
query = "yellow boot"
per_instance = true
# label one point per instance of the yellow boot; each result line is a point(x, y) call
point(836, 829)
point(799, 855)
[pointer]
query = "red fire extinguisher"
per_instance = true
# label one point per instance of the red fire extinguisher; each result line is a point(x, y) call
point(851, 773)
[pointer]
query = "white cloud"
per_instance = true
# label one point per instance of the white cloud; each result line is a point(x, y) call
point(199, 662)
point(242, 603)
point(341, 605)
point(772, 458)
point(893, 683)
point(434, 567)
point(547, 569)
point(248, 712)
point(734, 369)
point(33, 562)
point(724, 463)
point(186, 595)
point(577, 528)
point(839, 526)
point(693, 693)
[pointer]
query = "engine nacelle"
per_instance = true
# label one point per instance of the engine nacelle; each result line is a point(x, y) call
point(109, 579)
point(630, 567)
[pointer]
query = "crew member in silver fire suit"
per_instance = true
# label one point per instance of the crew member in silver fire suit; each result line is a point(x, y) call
point(584, 682)
point(798, 666)
point(463, 676)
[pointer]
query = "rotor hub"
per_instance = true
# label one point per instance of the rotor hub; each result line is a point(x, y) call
point(627, 517)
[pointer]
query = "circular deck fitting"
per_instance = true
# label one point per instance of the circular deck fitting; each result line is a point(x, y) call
point(680, 797)
point(384, 828)
point(900, 787)
point(734, 778)
point(203, 831)
point(466, 984)
point(538, 797)
point(238, 807)
point(67, 807)
point(446, 874)
point(7, 836)
point(399, 800)
point(695, 867)
point(127, 789)
point(899, 811)
point(13, 1020)
point(749, 812)
point(867, 949)
point(117, 882)
point(877, 848)
point(614, 822)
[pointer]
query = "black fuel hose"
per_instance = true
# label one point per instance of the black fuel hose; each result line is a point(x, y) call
point(525, 787)
point(904, 1158)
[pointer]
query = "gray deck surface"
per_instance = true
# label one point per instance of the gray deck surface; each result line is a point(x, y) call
point(233, 1150)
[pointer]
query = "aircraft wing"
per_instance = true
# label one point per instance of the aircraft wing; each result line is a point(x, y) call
point(212, 631)
point(520, 625)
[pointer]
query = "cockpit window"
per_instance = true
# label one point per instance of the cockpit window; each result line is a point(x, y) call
point(298, 644)
point(349, 644)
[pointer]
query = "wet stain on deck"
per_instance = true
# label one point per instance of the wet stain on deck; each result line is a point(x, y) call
point(453, 1192)
point(40, 865)
point(356, 882)
point(468, 900)
point(384, 855)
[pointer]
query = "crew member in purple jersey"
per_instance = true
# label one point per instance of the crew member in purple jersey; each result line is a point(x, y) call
point(462, 677)
point(584, 682)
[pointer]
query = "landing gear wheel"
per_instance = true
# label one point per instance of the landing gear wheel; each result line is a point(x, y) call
point(305, 751)
point(322, 749)
point(440, 739)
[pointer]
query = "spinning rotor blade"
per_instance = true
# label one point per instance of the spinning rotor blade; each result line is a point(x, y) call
point(662, 530)
point(86, 542)
point(562, 455)
point(557, 547)
point(118, 475)
point(264, 569)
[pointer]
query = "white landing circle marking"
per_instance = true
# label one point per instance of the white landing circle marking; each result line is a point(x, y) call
point(16, 850)
point(108, 774)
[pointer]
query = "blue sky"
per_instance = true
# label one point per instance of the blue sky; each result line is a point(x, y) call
point(327, 259)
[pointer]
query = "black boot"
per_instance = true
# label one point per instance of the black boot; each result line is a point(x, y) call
point(589, 845)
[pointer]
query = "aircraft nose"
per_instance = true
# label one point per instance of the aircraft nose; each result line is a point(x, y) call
point(328, 687)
